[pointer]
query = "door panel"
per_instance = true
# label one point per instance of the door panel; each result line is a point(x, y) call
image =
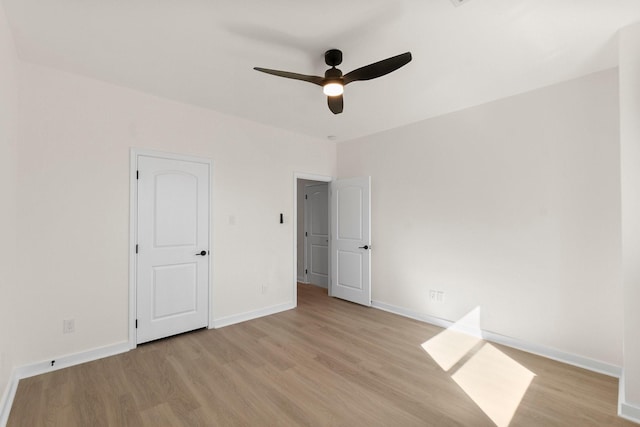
point(170, 300)
point(350, 221)
point(317, 230)
point(173, 227)
point(350, 269)
point(176, 210)
point(351, 231)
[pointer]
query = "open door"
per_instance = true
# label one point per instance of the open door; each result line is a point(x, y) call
point(316, 225)
point(351, 239)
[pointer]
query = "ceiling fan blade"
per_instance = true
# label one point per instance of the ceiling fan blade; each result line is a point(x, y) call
point(311, 79)
point(377, 69)
point(336, 103)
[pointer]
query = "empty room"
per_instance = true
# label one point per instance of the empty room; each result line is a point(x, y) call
point(412, 213)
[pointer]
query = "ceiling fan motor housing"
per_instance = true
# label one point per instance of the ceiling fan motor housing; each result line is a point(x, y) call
point(333, 74)
point(333, 57)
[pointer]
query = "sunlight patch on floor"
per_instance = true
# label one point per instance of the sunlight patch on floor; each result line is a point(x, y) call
point(451, 345)
point(493, 380)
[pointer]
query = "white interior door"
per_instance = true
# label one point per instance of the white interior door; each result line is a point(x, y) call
point(351, 240)
point(173, 247)
point(317, 234)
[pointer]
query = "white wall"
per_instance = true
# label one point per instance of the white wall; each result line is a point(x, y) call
point(513, 207)
point(8, 144)
point(73, 205)
point(630, 165)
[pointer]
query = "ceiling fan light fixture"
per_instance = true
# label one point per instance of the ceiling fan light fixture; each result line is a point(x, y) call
point(333, 89)
point(333, 81)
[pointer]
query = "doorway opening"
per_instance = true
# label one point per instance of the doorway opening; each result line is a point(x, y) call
point(349, 239)
point(311, 261)
point(313, 233)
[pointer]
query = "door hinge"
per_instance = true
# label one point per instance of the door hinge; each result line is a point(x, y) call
point(137, 174)
point(306, 234)
point(136, 323)
point(306, 271)
point(136, 248)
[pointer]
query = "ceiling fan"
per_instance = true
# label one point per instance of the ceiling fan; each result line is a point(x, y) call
point(333, 81)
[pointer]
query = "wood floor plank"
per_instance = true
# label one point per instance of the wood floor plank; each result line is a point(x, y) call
point(326, 363)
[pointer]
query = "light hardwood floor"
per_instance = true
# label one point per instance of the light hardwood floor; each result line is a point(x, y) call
point(328, 362)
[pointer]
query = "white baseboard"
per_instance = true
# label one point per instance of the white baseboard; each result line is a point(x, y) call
point(7, 399)
point(436, 321)
point(626, 410)
point(60, 362)
point(549, 353)
point(554, 354)
point(250, 315)
point(313, 284)
point(71, 360)
point(629, 412)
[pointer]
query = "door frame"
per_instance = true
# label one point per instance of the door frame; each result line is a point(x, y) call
point(313, 177)
point(133, 231)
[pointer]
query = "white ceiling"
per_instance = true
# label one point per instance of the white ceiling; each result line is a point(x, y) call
point(202, 52)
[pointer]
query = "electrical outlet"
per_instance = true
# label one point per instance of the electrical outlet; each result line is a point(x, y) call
point(436, 296)
point(68, 326)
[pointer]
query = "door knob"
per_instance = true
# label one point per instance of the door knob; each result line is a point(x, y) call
point(202, 253)
point(364, 247)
